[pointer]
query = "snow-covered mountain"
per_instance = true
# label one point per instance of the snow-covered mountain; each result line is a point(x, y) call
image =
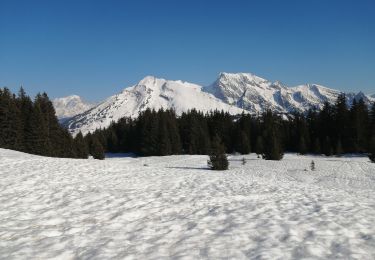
point(256, 94)
point(151, 92)
point(70, 106)
point(232, 92)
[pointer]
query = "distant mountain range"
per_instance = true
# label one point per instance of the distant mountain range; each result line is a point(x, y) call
point(70, 106)
point(232, 92)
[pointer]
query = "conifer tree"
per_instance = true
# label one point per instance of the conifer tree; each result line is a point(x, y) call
point(360, 126)
point(165, 146)
point(327, 147)
point(272, 145)
point(316, 148)
point(302, 149)
point(37, 141)
point(112, 140)
point(342, 122)
point(242, 144)
point(372, 149)
point(96, 150)
point(174, 134)
point(218, 159)
point(80, 146)
point(272, 148)
point(149, 133)
point(259, 148)
point(372, 117)
point(25, 106)
point(10, 124)
point(339, 150)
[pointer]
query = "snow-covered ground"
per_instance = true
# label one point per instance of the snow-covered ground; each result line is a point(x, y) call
point(172, 207)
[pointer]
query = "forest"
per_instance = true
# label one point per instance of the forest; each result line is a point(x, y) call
point(31, 126)
point(334, 130)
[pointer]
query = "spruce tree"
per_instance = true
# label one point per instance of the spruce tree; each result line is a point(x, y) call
point(165, 146)
point(37, 140)
point(372, 149)
point(259, 148)
point(80, 146)
point(97, 150)
point(272, 144)
point(272, 148)
point(10, 124)
point(302, 148)
point(218, 159)
point(174, 134)
point(342, 122)
point(25, 106)
point(327, 147)
point(112, 141)
point(339, 150)
point(242, 143)
point(372, 117)
point(148, 125)
point(360, 126)
point(316, 148)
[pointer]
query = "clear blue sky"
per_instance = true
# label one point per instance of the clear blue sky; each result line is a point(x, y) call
point(96, 48)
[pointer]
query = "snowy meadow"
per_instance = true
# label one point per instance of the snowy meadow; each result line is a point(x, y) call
point(173, 207)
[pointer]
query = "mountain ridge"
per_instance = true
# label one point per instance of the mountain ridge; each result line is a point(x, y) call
point(150, 92)
point(231, 92)
point(69, 106)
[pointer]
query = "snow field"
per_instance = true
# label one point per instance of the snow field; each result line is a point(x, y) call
point(176, 208)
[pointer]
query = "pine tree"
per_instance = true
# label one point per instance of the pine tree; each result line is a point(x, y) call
point(174, 134)
point(148, 125)
point(10, 124)
point(112, 141)
point(259, 148)
point(37, 140)
point(372, 149)
point(372, 117)
point(165, 147)
point(342, 122)
point(242, 144)
point(339, 149)
point(360, 126)
point(302, 149)
point(327, 147)
point(25, 106)
point(96, 150)
point(316, 148)
point(80, 146)
point(272, 145)
point(218, 158)
point(272, 148)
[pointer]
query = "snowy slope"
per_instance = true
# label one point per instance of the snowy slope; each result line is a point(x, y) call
point(70, 106)
point(151, 93)
point(256, 94)
point(233, 92)
point(176, 209)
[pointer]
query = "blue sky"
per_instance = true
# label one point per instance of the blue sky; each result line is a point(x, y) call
point(96, 48)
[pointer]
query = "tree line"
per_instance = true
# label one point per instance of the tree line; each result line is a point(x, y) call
point(31, 126)
point(333, 130)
